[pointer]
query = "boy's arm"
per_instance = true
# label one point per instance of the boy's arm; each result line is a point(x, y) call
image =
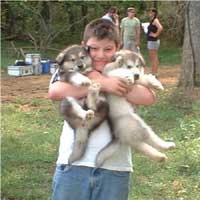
point(59, 90)
point(138, 94)
point(109, 84)
point(141, 95)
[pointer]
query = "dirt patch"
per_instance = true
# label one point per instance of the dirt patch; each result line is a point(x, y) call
point(26, 87)
point(37, 86)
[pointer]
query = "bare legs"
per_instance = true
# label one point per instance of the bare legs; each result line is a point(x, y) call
point(153, 54)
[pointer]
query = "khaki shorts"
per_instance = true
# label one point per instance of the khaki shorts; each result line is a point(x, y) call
point(130, 45)
point(153, 44)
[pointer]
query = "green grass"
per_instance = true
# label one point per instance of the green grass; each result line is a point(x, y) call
point(168, 56)
point(175, 118)
point(30, 137)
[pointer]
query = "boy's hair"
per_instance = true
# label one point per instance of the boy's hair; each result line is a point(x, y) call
point(131, 9)
point(101, 29)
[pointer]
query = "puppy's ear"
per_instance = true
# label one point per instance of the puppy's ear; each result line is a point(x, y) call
point(87, 49)
point(140, 63)
point(120, 60)
point(141, 60)
point(59, 58)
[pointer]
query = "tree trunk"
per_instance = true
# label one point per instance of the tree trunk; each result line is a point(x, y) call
point(155, 4)
point(84, 9)
point(190, 72)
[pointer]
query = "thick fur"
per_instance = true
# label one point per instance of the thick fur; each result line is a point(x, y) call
point(74, 63)
point(128, 127)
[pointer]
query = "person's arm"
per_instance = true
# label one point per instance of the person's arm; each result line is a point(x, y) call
point(116, 17)
point(138, 32)
point(141, 95)
point(59, 90)
point(138, 94)
point(121, 37)
point(122, 34)
point(159, 28)
point(109, 84)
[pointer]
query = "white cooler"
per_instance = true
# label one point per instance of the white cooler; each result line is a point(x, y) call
point(20, 70)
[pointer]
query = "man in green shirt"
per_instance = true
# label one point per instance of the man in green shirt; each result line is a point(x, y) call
point(130, 31)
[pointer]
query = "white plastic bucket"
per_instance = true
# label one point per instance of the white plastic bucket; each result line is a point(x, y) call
point(33, 59)
point(53, 67)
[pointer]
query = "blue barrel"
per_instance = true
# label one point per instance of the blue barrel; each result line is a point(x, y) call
point(45, 66)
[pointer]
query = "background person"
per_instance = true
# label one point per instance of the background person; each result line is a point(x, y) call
point(112, 15)
point(82, 180)
point(153, 43)
point(130, 31)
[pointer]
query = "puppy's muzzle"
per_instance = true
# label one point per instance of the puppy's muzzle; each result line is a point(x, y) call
point(136, 76)
point(80, 66)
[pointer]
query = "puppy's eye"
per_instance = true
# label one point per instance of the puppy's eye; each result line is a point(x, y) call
point(72, 59)
point(129, 66)
point(82, 57)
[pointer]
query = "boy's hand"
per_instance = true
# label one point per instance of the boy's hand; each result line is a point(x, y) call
point(110, 84)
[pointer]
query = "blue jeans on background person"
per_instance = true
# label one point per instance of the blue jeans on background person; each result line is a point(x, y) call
point(88, 183)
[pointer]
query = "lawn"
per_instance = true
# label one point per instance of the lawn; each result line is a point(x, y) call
point(30, 136)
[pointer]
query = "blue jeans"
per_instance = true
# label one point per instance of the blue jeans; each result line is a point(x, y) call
point(87, 183)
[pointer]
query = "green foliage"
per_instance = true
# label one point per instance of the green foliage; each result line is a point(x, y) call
point(46, 22)
point(30, 137)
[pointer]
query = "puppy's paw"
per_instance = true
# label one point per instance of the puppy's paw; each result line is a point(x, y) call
point(74, 157)
point(94, 88)
point(86, 82)
point(99, 161)
point(154, 82)
point(89, 115)
point(161, 158)
point(171, 145)
point(129, 80)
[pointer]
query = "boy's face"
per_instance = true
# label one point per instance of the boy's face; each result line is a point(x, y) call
point(131, 14)
point(101, 52)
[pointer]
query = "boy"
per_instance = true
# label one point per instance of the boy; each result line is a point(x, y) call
point(81, 180)
point(130, 31)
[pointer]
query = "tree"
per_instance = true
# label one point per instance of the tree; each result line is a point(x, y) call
point(190, 72)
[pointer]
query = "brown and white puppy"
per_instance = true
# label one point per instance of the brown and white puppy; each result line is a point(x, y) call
point(83, 116)
point(128, 127)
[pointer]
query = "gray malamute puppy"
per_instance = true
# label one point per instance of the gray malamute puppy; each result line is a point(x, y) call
point(128, 127)
point(83, 116)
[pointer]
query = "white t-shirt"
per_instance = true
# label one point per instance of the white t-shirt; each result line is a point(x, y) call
point(98, 139)
point(106, 16)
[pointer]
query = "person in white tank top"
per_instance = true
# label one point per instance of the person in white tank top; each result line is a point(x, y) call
point(112, 15)
point(81, 180)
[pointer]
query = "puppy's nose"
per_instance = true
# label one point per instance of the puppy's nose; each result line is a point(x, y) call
point(136, 76)
point(80, 66)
